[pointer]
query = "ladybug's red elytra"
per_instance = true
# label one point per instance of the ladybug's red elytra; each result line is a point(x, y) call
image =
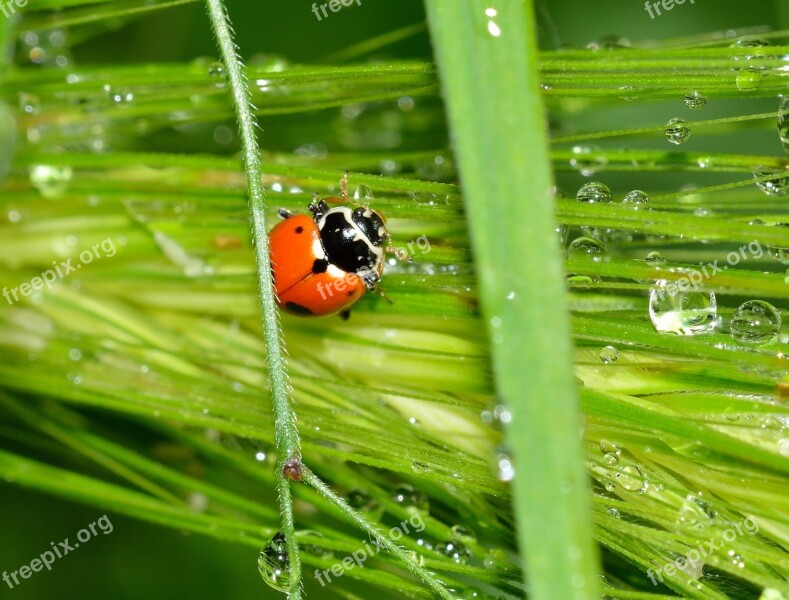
point(323, 264)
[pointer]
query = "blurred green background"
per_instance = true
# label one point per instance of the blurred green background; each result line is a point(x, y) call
point(123, 564)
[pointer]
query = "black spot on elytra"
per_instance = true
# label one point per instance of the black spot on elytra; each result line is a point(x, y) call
point(320, 265)
point(297, 309)
point(299, 229)
point(349, 293)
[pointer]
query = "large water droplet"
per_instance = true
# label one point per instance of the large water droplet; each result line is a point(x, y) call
point(411, 498)
point(274, 565)
point(694, 514)
point(631, 478)
point(783, 122)
point(695, 100)
point(594, 192)
point(748, 80)
point(755, 322)
point(677, 131)
point(776, 185)
point(673, 310)
point(455, 550)
point(779, 253)
point(609, 355)
point(655, 258)
point(587, 248)
point(636, 198)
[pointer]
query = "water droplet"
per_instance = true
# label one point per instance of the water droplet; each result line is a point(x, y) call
point(776, 185)
point(677, 131)
point(695, 100)
point(609, 355)
point(748, 80)
point(504, 467)
point(218, 73)
point(419, 468)
point(274, 565)
point(694, 514)
point(783, 446)
point(361, 501)
point(463, 534)
point(636, 198)
point(363, 192)
point(607, 446)
point(272, 63)
point(614, 512)
point(673, 310)
point(779, 253)
point(588, 160)
point(632, 479)
point(587, 248)
point(755, 322)
point(783, 122)
point(411, 498)
point(655, 258)
point(260, 456)
point(496, 414)
point(454, 550)
point(437, 168)
point(610, 459)
point(594, 192)
point(414, 556)
point(495, 558)
point(51, 181)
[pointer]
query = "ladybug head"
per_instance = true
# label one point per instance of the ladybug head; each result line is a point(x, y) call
point(371, 224)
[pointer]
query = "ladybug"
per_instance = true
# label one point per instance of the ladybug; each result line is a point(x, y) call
point(324, 263)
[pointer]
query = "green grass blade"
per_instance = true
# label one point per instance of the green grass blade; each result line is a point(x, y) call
point(487, 59)
point(284, 420)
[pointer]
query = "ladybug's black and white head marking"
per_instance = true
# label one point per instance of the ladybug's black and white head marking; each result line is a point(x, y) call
point(353, 238)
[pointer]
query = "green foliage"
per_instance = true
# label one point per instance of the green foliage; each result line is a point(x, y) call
point(139, 384)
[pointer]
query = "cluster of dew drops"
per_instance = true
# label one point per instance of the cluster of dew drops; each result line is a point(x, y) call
point(273, 561)
point(675, 311)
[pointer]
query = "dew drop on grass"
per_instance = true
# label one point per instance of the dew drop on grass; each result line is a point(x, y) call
point(609, 355)
point(419, 468)
point(607, 446)
point(694, 514)
point(677, 131)
point(748, 80)
point(594, 192)
point(363, 192)
point(610, 459)
point(777, 183)
point(463, 534)
point(218, 73)
point(631, 478)
point(779, 253)
point(361, 501)
point(695, 100)
point(496, 414)
point(783, 122)
point(681, 312)
point(409, 497)
point(587, 248)
point(636, 198)
point(783, 446)
point(274, 565)
point(495, 558)
point(51, 181)
point(588, 160)
point(455, 550)
point(505, 470)
point(755, 322)
point(655, 259)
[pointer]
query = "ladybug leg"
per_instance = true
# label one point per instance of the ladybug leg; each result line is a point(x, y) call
point(344, 186)
point(284, 213)
point(345, 314)
point(318, 208)
point(370, 279)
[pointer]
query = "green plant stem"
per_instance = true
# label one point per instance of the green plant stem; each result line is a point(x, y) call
point(287, 437)
point(488, 66)
point(313, 480)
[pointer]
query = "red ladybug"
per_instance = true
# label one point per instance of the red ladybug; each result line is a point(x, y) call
point(324, 264)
